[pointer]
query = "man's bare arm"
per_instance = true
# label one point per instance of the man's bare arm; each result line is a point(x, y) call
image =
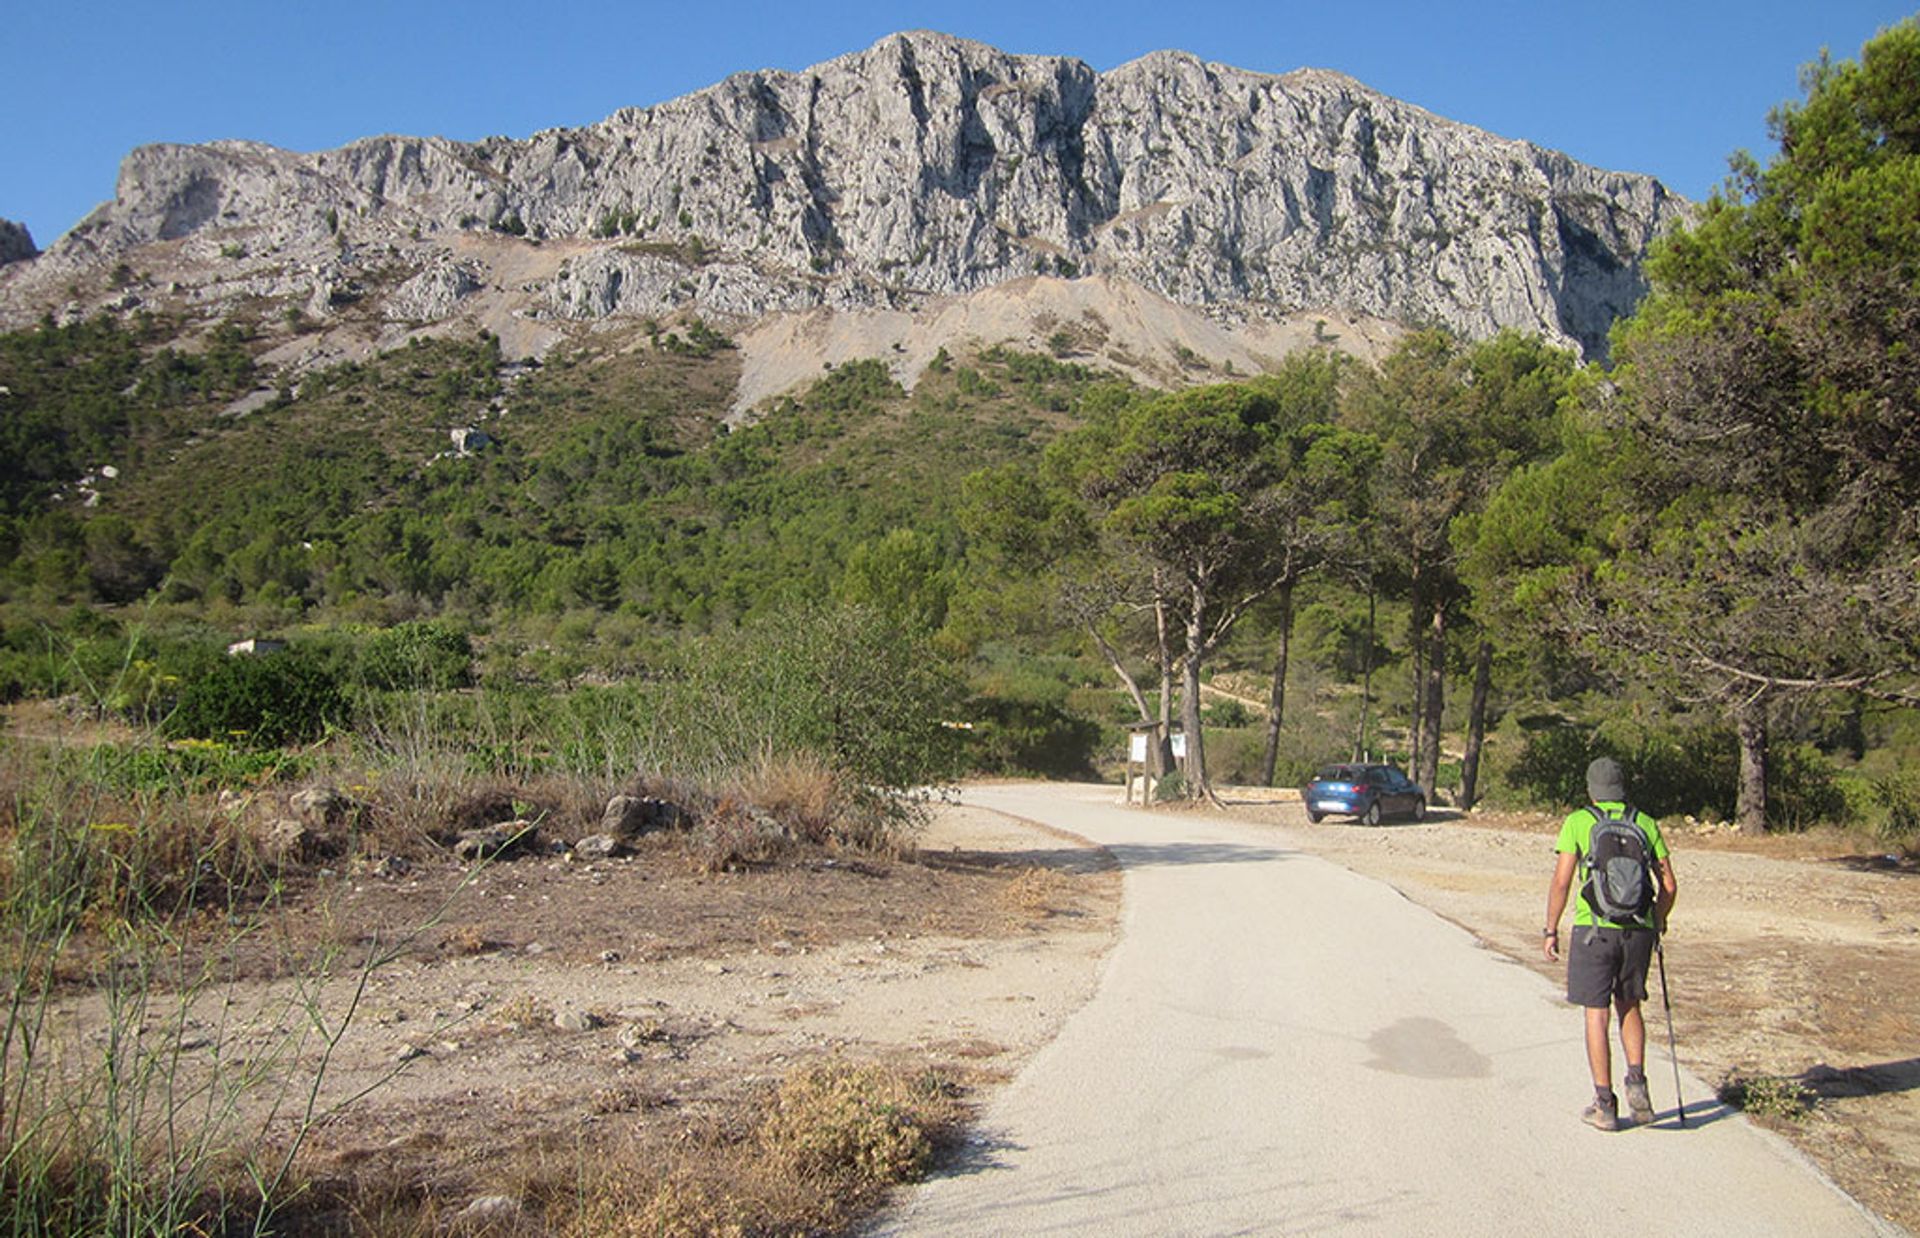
point(1557, 891)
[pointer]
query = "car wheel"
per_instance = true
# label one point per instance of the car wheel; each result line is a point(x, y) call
point(1372, 815)
point(1316, 817)
point(1420, 810)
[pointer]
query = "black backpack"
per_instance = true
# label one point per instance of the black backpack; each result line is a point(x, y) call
point(1619, 864)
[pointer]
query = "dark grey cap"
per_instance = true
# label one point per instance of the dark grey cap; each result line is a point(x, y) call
point(1605, 782)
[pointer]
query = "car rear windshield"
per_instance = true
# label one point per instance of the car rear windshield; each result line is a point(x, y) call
point(1339, 773)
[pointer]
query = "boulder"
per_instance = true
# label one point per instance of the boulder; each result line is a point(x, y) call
point(324, 806)
point(629, 816)
point(496, 842)
point(390, 867)
point(487, 1212)
point(286, 840)
point(433, 294)
point(597, 847)
point(575, 1021)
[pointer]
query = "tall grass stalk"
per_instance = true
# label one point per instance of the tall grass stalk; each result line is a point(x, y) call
point(145, 1087)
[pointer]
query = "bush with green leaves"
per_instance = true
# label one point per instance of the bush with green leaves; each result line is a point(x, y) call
point(416, 656)
point(265, 700)
point(1227, 712)
point(1679, 768)
point(1767, 1096)
point(1011, 736)
point(843, 684)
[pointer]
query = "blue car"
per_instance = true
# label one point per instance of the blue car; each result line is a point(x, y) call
point(1369, 792)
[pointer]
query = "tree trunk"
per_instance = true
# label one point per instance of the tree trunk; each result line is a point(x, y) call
point(1127, 680)
point(1750, 810)
point(1277, 699)
point(1360, 752)
point(1433, 700)
point(1416, 734)
point(1196, 769)
point(1164, 755)
point(1476, 726)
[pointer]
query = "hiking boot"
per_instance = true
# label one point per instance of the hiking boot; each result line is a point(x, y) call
point(1639, 1104)
point(1602, 1115)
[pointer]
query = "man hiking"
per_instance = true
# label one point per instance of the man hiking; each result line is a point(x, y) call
point(1627, 889)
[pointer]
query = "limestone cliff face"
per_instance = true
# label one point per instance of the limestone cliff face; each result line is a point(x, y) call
point(16, 243)
point(931, 165)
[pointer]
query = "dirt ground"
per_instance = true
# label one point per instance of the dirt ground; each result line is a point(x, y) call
point(1793, 958)
point(546, 1007)
point(518, 1019)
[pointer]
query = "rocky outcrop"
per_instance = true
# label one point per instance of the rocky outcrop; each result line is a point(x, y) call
point(931, 165)
point(630, 816)
point(16, 243)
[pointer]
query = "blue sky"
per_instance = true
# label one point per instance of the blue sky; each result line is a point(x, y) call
point(1665, 88)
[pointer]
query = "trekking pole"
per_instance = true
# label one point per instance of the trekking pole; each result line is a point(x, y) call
point(1659, 952)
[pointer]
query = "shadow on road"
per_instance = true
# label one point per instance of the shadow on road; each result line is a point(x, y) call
point(1140, 855)
point(1102, 859)
point(1699, 1113)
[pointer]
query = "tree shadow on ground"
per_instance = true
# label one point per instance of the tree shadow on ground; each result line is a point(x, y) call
point(1846, 1082)
point(1103, 859)
point(1891, 863)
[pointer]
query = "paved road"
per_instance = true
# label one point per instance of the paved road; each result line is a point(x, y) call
point(1279, 1046)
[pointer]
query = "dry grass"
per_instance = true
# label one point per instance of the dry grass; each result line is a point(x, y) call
point(799, 791)
point(1038, 894)
point(468, 940)
point(821, 1147)
point(524, 1012)
point(784, 805)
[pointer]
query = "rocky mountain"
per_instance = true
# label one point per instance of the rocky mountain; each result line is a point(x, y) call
point(16, 243)
point(885, 181)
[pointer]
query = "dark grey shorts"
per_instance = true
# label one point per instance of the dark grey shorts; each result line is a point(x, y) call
point(1607, 967)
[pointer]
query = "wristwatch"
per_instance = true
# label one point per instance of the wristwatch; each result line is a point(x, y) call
point(1552, 932)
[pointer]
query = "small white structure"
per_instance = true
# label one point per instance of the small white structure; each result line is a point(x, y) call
point(254, 646)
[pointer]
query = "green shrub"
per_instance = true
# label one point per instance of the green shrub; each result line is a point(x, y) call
point(189, 766)
point(1769, 1096)
point(1030, 737)
point(1550, 768)
point(1234, 757)
point(1803, 789)
point(1305, 744)
point(279, 698)
point(843, 684)
point(1901, 798)
point(1887, 805)
point(1690, 768)
point(1227, 713)
point(416, 656)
